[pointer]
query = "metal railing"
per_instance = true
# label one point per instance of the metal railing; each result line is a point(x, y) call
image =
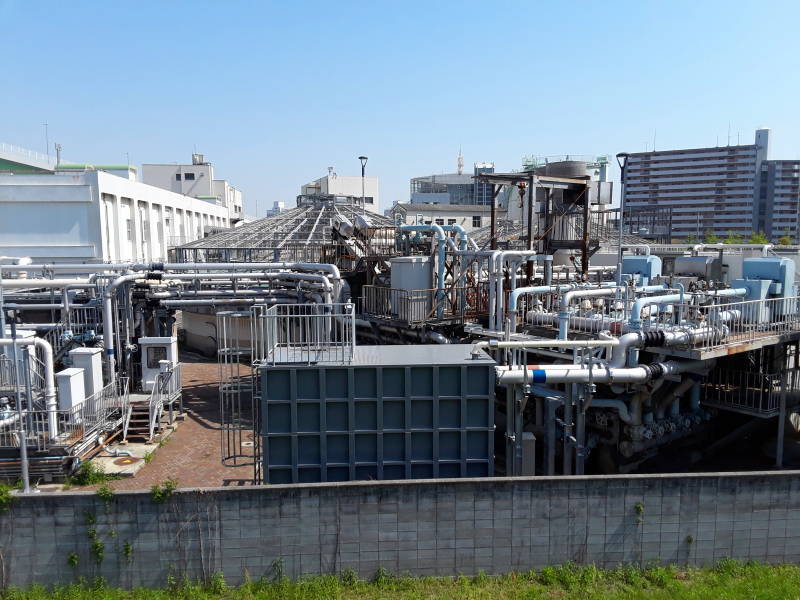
point(413, 307)
point(167, 389)
point(749, 392)
point(303, 333)
point(101, 412)
point(739, 323)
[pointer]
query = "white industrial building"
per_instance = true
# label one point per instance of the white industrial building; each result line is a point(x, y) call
point(195, 180)
point(345, 185)
point(468, 216)
point(100, 213)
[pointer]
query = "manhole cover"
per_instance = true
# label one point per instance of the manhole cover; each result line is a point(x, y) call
point(126, 460)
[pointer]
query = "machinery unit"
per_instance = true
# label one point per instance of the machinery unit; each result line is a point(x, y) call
point(393, 412)
point(642, 268)
point(154, 350)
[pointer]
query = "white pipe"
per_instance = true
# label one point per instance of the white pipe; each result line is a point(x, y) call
point(597, 374)
point(16, 284)
point(495, 344)
point(646, 247)
point(49, 376)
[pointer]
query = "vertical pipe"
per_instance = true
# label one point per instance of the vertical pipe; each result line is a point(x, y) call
point(493, 228)
point(529, 266)
point(23, 439)
point(781, 422)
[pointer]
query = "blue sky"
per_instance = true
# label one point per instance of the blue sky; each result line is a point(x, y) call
point(274, 93)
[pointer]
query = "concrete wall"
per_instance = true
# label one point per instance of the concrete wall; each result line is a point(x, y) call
point(434, 527)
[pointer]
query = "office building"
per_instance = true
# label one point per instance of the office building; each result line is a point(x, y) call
point(453, 188)
point(334, 184)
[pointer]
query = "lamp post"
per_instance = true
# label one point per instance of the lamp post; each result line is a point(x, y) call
point(622, 160)
point(363, 160)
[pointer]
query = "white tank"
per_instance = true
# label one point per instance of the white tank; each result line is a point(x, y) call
point(412, 273)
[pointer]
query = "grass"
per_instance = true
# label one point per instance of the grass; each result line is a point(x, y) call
point(729, 580)
point(89, 473)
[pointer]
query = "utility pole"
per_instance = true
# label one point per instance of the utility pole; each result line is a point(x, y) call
point(622, 160)
point(363, 160)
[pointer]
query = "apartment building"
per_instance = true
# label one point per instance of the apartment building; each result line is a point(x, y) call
point(713, 189)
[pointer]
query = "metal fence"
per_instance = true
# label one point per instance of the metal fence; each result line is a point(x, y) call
point(413, 307)
point(748, 392)
point(738, 322)
point(43, 429)
point(303, 333)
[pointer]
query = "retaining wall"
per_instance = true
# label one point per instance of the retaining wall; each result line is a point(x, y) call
point(431, 527)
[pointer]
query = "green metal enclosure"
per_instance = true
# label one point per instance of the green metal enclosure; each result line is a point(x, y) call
point(393, 412)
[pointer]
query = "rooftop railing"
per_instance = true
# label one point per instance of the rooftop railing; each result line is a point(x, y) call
point(303, 333)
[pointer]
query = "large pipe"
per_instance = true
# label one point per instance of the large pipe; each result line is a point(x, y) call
point(597, 374)
point(108, 319)
point(49, 376)
point(477, 347)
point(566, 299)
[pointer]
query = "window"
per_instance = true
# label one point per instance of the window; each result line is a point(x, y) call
point(177, 176)
point(476, 221)
point(427, 222)
point(129, 228)
point(451, 221)
point(188, 176)
point(440, 221)
point(155, 354)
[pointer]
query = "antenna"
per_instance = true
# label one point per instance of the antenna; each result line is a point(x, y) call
point(46, 140)
point(654, 139)
point(729, 133)
point(58, 154)
point(460, 162)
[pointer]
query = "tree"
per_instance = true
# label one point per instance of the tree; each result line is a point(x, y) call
point(709, 237)
point(690, 239)
point(758, 238)
point(785, 239)
point(733, 238)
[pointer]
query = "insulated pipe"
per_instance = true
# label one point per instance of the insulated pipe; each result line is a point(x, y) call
point(646, 247)
point(566, 299)
point(108, 319)
point(536, 289)
point(49, 376)
point(435, 336)
point(639, 304)
point(463, 237)
point(16, 284)
point(496, 261)
point(495, 344)
point(597, 374)
point(618, 405)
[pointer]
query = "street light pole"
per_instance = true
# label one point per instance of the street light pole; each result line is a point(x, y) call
point(622, 160)
point(363, 160)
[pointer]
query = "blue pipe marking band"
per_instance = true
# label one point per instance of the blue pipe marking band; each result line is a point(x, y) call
point(110, 351)
point(538, 375)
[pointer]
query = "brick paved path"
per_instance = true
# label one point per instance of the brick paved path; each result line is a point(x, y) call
point(192, 453)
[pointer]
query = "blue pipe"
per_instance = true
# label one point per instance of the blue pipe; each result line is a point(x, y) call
point(535, 289)
point(441, 246)
point(463, 237)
